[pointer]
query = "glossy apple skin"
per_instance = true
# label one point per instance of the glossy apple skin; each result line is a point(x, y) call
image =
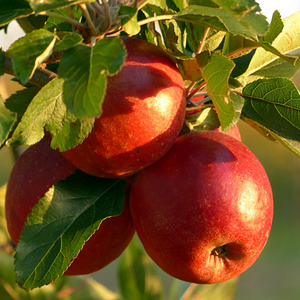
point(143, 112)
point(208, 194)
point(36, 170)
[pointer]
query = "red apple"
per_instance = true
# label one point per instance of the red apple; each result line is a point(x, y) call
point(204, 211)
point(143, 112)
point(36, 170)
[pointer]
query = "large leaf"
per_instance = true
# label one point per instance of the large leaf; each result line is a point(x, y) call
point(84, 70)
point(137, 275)
point(287, 41)
point(48, 109)
point(273, 105)
point(59, 225)
point(278, 68)
point(29, 52)
point(222, 20)
point(215, 18)
point(13, 9)
point(247, 13)
point(7, 120)
point(216, 70)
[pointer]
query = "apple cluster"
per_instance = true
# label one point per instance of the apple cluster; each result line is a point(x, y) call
point(201, 203)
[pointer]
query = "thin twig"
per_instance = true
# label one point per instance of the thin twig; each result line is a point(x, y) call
point(195, 91)
point(203, 40)
point(88, 19)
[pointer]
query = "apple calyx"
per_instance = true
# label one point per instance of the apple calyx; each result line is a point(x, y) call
point(220, 251)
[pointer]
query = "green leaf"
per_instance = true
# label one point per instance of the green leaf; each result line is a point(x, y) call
point(216, 71)
point(222, 20)
point(55, 24)
point(275, 28)
point(70, 40)
point(278, 68)
point(32, 23)
point(71, 133)
point(219, 291)
point(273, 104)
point(189, 68)
point(215, 18)
point(287, 41)
point(137, 275)
point(39, 6)
point(206, 119)
point(247, 13)
point(47, 109)
point(13, 9)
point(195, 34)
point(7, 120)
point(29, 52)
point(84, 70)
point(19, 101)
point(236, 46)
point(59, 225)
point(129, 21)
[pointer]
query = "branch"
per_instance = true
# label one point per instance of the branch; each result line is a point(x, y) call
point(40, 77)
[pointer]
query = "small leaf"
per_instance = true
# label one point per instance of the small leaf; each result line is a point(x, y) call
point(275, 28)
point(216, 71)
point(41, 5)
point(7, 120)
point(275, 105)
point(137, 275)
point(129, 20)
point(47, 109)
point(84, 70)
point(13, 9)
point(60, 224)
point(29, 52)
point(68, 41)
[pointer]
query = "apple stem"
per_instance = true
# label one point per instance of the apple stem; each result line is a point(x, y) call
point(191, 94)
point(202, 43)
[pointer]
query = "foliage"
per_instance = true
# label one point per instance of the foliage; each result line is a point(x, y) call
point(224, 49)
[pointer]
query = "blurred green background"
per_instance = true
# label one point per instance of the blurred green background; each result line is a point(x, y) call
point(275, 275)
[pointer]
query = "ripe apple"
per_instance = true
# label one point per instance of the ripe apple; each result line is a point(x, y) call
point(204, 211)
point(143, 112)
point(36, 170)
